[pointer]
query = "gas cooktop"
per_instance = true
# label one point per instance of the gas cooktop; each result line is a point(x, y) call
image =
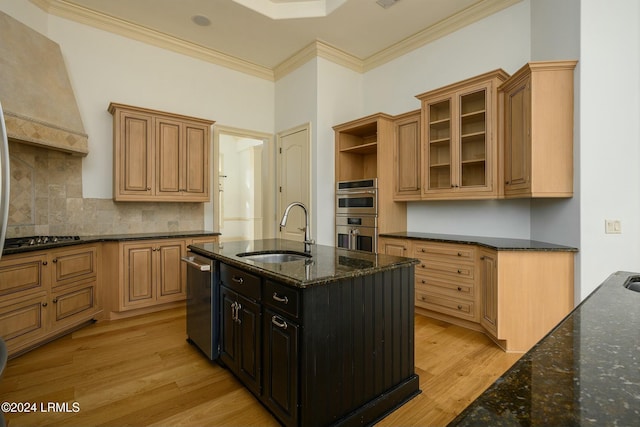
point(21, 242)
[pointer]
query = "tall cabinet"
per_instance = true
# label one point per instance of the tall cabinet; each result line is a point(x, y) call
point(364, 148)
point(460, 139)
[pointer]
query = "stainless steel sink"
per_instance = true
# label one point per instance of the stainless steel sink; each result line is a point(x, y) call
point(274, 257)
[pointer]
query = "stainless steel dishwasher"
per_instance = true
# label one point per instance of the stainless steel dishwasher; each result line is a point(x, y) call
point(202, 305)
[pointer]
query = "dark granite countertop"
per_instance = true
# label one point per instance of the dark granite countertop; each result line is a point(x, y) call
point(496, 243)
point(112, 238)
point(327, 263)
point(585, 372)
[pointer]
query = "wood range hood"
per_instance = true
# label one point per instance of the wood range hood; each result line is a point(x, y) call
point(39, 104)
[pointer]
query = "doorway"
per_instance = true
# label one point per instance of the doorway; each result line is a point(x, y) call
point(243, 184)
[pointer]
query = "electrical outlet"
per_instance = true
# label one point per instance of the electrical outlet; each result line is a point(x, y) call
point(612, 226)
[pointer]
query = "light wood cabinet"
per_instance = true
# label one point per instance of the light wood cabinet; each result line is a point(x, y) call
point(396, 247)
point(460, 139)
point(159, 156)
point(524, 295)
point(153, 273)
point(364, 150)
point(538, 130)
point(406, 157)
point(46, 293)
point(446, 279)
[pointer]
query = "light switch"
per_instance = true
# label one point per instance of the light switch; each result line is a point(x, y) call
point(612, 226)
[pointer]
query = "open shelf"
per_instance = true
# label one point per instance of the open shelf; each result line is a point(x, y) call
point(367, 148)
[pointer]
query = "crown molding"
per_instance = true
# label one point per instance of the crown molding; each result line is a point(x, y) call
point(317, 49)
point(82, 15)
point(474, 13)
point(438, 30)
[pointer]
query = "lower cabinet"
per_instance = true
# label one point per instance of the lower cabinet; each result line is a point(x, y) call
point(241, 326)
point(46, 293)
point(514, 296)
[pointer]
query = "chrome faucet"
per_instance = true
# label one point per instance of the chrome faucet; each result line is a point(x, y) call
point(307, 230)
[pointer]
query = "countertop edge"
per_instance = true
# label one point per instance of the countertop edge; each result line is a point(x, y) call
point(495, 243)
point(112, 238)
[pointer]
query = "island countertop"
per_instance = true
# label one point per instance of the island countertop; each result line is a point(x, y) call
point(585, 372)
point(327, 263)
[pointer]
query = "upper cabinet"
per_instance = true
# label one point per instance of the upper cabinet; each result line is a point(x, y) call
point(159, 156)
point(406, 155)
point(460, 139)
point(538, 130)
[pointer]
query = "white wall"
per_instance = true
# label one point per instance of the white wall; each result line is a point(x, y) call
point(104, 67)
point(609, 138)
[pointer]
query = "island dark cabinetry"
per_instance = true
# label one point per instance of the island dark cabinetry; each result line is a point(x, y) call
point(327, 340)
point(240, 325)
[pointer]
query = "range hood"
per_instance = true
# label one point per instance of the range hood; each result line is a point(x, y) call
point(39, 104)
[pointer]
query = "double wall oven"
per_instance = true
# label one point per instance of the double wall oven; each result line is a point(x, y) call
point(357, 214)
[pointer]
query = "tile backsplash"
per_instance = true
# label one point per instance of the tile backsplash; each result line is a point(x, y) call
point(46, 199)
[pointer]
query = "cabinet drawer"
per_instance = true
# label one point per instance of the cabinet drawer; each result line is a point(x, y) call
point(441, 268)
point(240, 281)
point(21, 274)
point(451, 288)
point(73, 265)
point(74, 303)
point(22, 320)
point(453, 307)
point(283, 298)
point(428, 251)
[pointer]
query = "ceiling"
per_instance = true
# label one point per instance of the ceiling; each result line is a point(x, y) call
point(360, 32)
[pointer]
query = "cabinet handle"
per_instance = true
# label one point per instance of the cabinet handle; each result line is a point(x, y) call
point(237, 279)
point(459, 271)
point(280, 299)
point(148, 188)
point(423, 298)
point(238, 308)
point(459, 289)
point(507, 182)
point(422, 250)
point(55, 300)
point(234, 315)
point(482, 258)
point(45, 263)
point(44, 304)
point(423, 266)
point(459, 253)
point(280, 323)
point(55, 260)
point(424, 282)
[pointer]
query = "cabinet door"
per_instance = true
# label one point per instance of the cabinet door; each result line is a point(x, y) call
point(139, 276)
point(438, 148)
point(250, 343)
point(23, 320)
point(72, 265)
point(133, 155)
point(281, 371)
point(74, 304)
point(407, 158)
point(171, 273)
point(228, 350)
point(396, 247)
point(474, 140)
point(489, 291)
point(168, 157)
point(195, 169)
point(517, 137)
point(22, 273)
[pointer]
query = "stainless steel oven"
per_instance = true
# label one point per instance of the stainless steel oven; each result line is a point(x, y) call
point(357, 232)
point(357, 197)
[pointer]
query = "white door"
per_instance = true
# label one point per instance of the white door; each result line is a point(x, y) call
point(293, 180)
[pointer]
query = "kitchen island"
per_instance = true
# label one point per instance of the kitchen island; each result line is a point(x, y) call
point(585, 372)
point(326, 339)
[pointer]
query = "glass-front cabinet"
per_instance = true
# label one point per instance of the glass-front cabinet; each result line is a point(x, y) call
point(460, 158)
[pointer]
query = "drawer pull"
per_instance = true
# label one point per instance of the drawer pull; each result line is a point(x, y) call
point(280, 299)
point(423, 266)
point(459, 253)
point(459, 307)
point(459, 271)
point(460, 288)
point(279, 322)
point(424, 282)
point(237, 279)
point(423, 298)
point(422, 250)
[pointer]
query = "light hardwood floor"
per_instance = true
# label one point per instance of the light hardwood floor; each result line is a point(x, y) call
point(142, 372)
